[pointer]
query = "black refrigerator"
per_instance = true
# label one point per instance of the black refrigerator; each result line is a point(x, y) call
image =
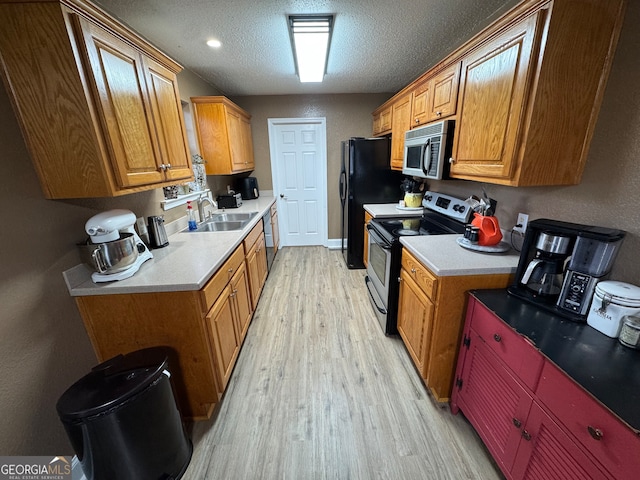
point(365, 177)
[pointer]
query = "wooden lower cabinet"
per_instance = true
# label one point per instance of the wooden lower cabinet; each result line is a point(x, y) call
point(534, 420)
point(227, 323)
point(415, 320)
point(431, 318)
point(256, 255)
point(204, 329)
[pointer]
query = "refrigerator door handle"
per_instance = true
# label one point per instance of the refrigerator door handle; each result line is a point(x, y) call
point(343, 186)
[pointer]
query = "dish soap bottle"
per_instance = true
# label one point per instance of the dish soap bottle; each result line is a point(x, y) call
point(193, 224)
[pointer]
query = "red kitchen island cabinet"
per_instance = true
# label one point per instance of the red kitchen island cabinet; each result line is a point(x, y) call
point(536, 421)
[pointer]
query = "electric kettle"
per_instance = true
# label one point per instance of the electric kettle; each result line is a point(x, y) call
point(489, 230)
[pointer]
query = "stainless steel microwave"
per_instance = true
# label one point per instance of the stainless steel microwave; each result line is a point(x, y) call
point(427, 150)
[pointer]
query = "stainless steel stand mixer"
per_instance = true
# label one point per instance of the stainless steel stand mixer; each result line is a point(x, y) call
point(113, 249)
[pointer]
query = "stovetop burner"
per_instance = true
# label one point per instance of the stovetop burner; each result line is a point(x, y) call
point(405, 231)
point(443, 215)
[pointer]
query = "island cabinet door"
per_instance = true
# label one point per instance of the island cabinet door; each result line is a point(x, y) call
point(547, 452)
point(493, 400)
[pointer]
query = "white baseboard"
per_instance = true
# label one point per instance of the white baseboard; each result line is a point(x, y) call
point(334, 244)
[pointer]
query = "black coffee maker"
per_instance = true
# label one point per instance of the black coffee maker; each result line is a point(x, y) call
point(561, 263)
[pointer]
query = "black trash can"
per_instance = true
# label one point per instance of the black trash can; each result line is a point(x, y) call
point(123, 421)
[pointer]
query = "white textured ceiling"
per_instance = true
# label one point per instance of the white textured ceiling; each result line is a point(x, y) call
point(377, 45)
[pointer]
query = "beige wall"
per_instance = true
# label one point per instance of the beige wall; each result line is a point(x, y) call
point(43, 344)
point(347, 116)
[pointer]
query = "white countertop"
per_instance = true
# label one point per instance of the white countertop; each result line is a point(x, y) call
point(444, 257)
point(381, 210)
point(186, 263)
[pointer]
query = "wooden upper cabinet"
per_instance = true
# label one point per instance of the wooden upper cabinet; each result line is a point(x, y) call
point(224, 135)
point(444, 93)
point(401, 122)
point(166, 109)
point(530, 97)
point(382, 121)
point(98, 106)
point(435, 97)
point(420, 106)
point(525, 92)
point(494, 83)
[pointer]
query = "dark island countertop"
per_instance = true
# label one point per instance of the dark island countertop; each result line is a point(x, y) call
point(601, 365)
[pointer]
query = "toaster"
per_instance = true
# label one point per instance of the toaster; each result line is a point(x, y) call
point(229, 200)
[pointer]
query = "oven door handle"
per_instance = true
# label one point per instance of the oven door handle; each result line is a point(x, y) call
point(377, 239)
point(367, 281)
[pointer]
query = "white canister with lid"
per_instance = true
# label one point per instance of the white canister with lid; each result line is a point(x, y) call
point(612, 302)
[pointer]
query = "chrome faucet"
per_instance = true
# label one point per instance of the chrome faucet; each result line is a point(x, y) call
point(202, 201)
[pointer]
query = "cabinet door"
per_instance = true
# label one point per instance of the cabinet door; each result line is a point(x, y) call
point(120, 88)
point(547, 452)
point(493, 100)
point(234, 127)
point(420, 106)
point(254, 274)
point(415, 320)
point(261, 259)
point(444, 93)
point(167, 118)
point(493, 401)
point(247, 144)
point(401, 122)
point(224, 338)
point(242, 301)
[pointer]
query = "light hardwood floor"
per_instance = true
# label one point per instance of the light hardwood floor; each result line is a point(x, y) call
point(319, 392)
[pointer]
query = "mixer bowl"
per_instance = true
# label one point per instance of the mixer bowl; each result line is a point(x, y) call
point(110, 257)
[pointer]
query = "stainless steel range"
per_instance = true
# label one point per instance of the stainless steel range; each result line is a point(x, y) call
point(443, 214)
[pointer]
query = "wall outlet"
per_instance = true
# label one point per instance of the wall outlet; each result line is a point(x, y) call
point(521, 223)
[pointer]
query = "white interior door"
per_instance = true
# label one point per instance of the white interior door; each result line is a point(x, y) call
point(299, 171)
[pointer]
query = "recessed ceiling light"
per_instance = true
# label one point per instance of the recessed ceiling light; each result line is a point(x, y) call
point(213, 43)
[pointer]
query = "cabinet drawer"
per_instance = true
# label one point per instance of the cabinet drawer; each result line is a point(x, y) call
point(211, 291)
point(254, 234)
point(525, 361)
point(616, 447)
point(420, 274)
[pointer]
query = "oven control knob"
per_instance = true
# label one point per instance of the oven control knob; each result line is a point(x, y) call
point(428, 198)
point(461, 208)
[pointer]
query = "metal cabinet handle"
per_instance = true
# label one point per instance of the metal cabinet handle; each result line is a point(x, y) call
point(526, 435)
point(438, 114)
point(452, 160)
point(417, 121)
point(413, 270)
point(516, 422)
point(497, 337)
point(168, 165)
point(595, 433)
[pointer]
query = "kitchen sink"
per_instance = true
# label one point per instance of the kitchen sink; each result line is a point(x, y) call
point(232, 217)
point(224, 222)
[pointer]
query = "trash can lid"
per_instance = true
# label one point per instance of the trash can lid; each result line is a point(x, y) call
point(112, 383)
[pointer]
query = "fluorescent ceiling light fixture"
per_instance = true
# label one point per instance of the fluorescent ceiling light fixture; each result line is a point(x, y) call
point(310, 37)
point(213, 43)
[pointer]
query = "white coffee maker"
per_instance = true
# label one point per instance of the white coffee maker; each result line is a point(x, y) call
point(113, 248)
